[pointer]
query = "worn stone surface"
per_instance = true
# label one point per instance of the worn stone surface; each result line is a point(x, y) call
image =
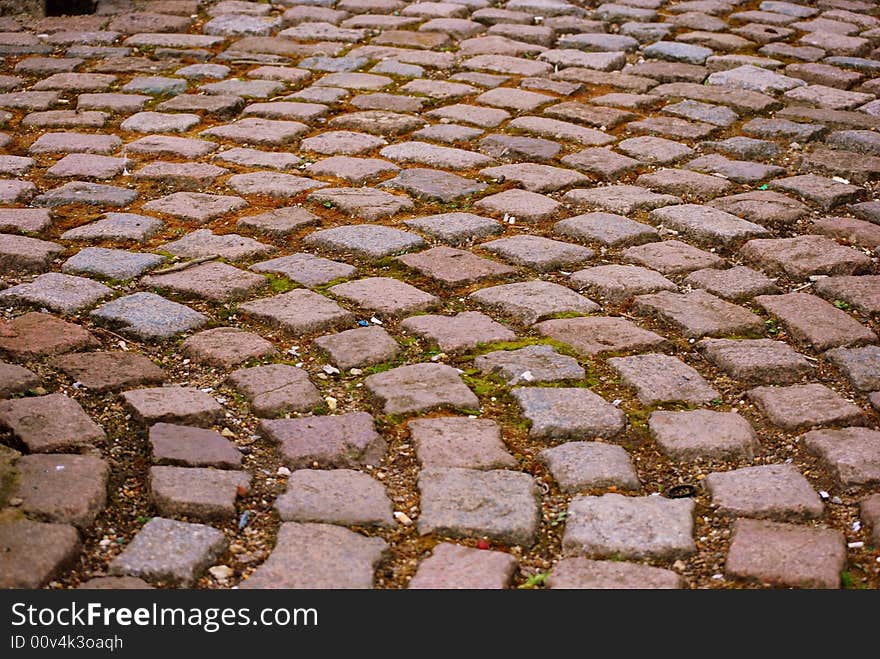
point(802, 406)
point(169, 551)
point(186, 446)
point(786, 554)
point(35, 552)
point(459, 442)
point(535, 363)
point(335, 496)
point(420, 388)
point(311, 556)
point(452, 566)
point(583, 573)
point(185, 405)
point(775, 491)
point(568, 413)
point(629, 527)
point(276, 389)
point(196, 492)
point(346, 440)
point(663, 379)
point(501, 505)
point(529, 302)
point(579, 466)
point(703, 435)
point(698, 313)
point(852, 454)
point(50, 423)
point(148, 317)
point(110, 371)
point(62, 489)
point(756, 361)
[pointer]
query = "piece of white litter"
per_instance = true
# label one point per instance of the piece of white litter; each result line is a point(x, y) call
point(331, 403)
point(823, 494)
point(402, 517)
point(840, 179)
point(283, 471)
point(616, 401)
point(857, 526)
point(527, 376)
point(855, 545)
point(375, 321)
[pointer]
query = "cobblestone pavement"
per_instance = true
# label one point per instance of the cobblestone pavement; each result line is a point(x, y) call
point(459, 294)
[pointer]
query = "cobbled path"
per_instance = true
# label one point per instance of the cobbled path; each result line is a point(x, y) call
point(462, 294)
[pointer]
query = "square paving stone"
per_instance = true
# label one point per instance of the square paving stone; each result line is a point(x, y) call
point(568, 413)
point(343, 142)
point(685, 183)
point(184, 405)
point(37, 334)
point(531, 301)
point(663, 379)
point(776, 491)
point(519, 205)
point(455, 228)
point(703, 435)
point(616, 526)
point(254, 130)
point(671, 257)
point(353, 170)
point(272, 184)
point(619, 283)
point(825, 192)
point(862, 292)
point(860, 365)
point(452, 566)
point(185, 446)
point(362, 346)
point(498, 504)
point(698, 313)
point(58, 292)
point(621, 199)
point(762, 206)
point(276, 389)
point(65, 489)
point(584, 574)
point(458, 333)
point(196, 492)
point(601, 334)
point(756, 361)
point(534, 177)
point(344, 440)
point(27, 254)
point(87, 165)
point(707, 225)
point(203, 243)
point(279, 222)
point(166, 550)
point(385, 295)
point(83, 192)
point(870, 513)
point(319, 556)
point(364, 240)
point(109, 371)
point(334, 496)
point(785, 554)
point(541, 254)
point(51, 423)
point(148, 316)
point(454, 266)
point(169, 146)
point(602, 163)
point(453, 441)
point(218, 282)
point(226, 347)
point(366, 203)
point(16, 380)
point(812, 321)
point(434, 185)
point(420, 388)
point(299, 312)
point(804, 406)
point(536, 363)
point(25, 220)
point(736, 283)
point(654, 150)
point(32, 553)
point(578, 466)
point(110, 263)
point(116, 226)
point(307, 269)
point(852, 454)
point(606, 229)
point(195, 206)
point(802, 256)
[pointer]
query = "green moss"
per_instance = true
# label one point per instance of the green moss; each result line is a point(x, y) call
point(280, 284)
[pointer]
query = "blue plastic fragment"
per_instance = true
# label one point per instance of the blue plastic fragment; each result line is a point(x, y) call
point(243, 520)
point(363, 323)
